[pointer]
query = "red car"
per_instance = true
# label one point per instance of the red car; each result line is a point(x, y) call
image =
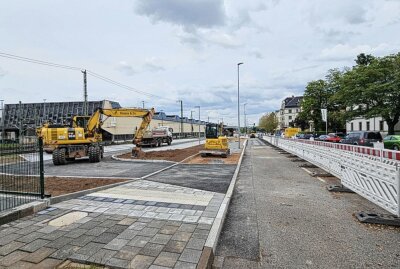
point(333, 138)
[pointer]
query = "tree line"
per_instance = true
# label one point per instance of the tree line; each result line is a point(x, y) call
point(371, 88)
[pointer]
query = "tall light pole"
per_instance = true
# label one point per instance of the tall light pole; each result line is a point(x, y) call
point(181, 131)
point(245, 121)
point(199, 121)
point(2, 121)
point(191, 120)
point(161, 114)
point(238, 103)
point(143, 104)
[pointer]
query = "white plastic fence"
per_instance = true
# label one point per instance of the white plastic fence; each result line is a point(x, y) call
point(372, 173)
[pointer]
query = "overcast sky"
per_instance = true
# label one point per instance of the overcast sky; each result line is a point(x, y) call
point(188, 49)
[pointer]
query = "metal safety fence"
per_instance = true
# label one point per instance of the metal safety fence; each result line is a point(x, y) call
point(21, 173)
point(371, 173)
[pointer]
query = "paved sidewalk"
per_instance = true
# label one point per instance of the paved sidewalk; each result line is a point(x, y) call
point(141, 224)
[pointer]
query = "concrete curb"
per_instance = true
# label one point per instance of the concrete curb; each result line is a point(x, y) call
point(207, 255)
point(114, 157)
point(23, 211)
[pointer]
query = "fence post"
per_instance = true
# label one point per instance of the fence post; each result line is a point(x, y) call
point(41, 167)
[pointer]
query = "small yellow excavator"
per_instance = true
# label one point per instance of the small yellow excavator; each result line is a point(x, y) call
point(216, 143)
point(83, 137)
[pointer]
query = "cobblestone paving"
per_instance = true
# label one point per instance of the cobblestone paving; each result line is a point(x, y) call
point(141, 224)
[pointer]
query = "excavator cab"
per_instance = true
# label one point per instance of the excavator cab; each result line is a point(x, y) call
point(216, 143)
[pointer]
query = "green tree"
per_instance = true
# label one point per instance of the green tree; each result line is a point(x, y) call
point(268, 122)
point(373, 89)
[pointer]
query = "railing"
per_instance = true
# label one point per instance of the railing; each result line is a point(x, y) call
point(21, 174)
point(371, 173)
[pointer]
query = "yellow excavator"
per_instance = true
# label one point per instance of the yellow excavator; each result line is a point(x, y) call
point(216, 142)
point(83, 137)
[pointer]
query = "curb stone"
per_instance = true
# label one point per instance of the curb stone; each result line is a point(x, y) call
point(207, 255)
point(23, 211)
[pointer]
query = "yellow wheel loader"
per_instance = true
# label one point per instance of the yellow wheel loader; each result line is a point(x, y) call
point(83, 137)
point(216, 143)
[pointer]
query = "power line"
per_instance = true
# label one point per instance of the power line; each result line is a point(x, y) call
point(98, 76)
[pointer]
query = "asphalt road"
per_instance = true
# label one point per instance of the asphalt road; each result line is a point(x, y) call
point(281, 217)
point(208, 177)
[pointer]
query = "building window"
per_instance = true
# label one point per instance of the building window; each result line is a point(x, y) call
point(290, 117)
point(381, 125)
point(351, 127)
point(290, 111)
point(367, 125)
point(360, 126)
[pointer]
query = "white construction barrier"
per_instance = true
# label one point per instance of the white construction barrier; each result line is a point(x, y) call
point(371, 173)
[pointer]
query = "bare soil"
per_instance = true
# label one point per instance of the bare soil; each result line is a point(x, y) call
point(58, 186)
point(174, 155)
point(231, 159)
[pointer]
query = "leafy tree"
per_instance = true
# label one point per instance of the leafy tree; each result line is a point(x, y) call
point(372, 89)
point(269, 122)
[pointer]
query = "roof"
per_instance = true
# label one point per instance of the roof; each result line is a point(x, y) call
point(293, 101)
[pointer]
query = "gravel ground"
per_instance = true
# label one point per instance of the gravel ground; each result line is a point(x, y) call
point(299, 223)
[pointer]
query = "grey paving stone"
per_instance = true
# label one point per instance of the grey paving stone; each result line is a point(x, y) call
point(117, 217)
point(70, 227)
point(162, 204)
point(186, 206)
point(79, 258)
point(90, 249)
point(117, 229)
point(181, 236)
point(21, 265)
point(10, 247)
point(150, 214)
point(148, 231)
point(59, 242)
point(96, 231)
point(136, 213)
point(163, 216)
point(76, 233)
point(162, 210)
point(206, 220)
point(116, 244)
point(186, 227)
point(104, 238)
point(151, 249)
point(158, 267)
point(196, 243)
point(102, 256)
point(190, 255)
point(177, 217)
point(53, 235)
point(108, 223)
point(167, 259)
point(25, 224)
point(204, 226)
point(191, 218)
point(34, 245)
point(200, 234)
point(161, 239)
point(128, 234)
point(139, 241)
point(173, 205)
point(47, 264)
point(174, 223)
point(82, 240)
point(168, 229)
point(140, 202)
point(175, 211)
point(9, 238)
point(64, 252)
point(209, 214)
point(188, 212)
point(39, 255)
point(185, 265)
point(145, 220)
point(175, 246)
point(138, 226)
point(90, 225)
point(13, 258)
point(29, 237)
point(141, 262)
point(139, 207)
point(127, 221)
point(198, 207)
point(156, 223)
point(47, 229)
point(152, 203)
point(127, 253)
point(117, 263)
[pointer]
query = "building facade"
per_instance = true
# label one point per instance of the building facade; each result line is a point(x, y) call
point(377, 124)
point(290, 109)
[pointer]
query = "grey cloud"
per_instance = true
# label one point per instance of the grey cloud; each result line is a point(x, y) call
point(126, 69)
point(194, 13)
point(150, 65)
point(256, 53)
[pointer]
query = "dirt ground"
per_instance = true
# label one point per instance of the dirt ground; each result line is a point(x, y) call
point(175, 155)
point(231, 159)
point(58, 186)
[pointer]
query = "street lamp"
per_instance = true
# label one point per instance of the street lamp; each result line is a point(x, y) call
point(245, 121)
point(191, 120)
point(238, 65)
point(199, 121)
point(2, 121)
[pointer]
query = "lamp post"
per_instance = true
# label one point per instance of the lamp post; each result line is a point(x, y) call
point(245, 121)
point(2, 121)
point(199, 121)
point(191, 121)
point(238, 103)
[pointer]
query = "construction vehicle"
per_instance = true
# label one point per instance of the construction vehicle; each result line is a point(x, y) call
point(157, 136)
point(83, 137)
point(216, 143)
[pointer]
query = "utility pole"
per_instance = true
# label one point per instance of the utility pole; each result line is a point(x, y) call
point(199, 121)
point(44, 111)
point(143, 104)
point(191, 121)
point(181, 131)
point(85, 96)
point(238, 103)
point(20, 137)
point(245, 121)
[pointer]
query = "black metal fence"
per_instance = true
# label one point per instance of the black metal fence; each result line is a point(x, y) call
point(21, 173)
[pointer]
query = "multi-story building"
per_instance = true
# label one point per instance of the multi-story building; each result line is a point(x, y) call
point(377, 124)
point(290, 108)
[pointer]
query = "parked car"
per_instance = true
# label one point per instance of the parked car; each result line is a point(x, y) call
point(362, 138)
point(332, 137)
point(392, 142)
point(321, 138)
